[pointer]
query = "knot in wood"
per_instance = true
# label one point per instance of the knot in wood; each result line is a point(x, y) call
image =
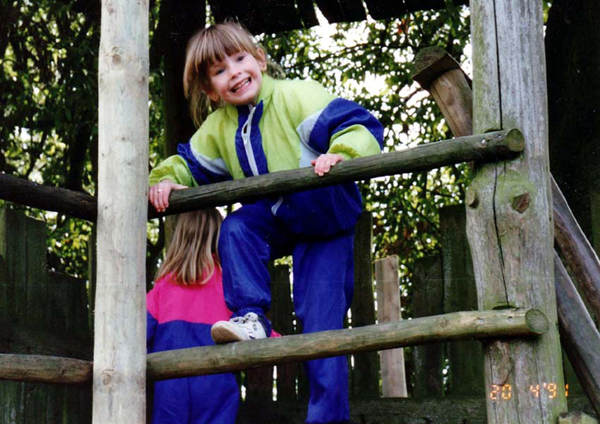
point(443, 323)
point(107, 377)
point(520, 202)
point(472, 199)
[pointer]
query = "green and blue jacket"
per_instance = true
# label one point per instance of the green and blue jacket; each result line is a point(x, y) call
point(293, 122)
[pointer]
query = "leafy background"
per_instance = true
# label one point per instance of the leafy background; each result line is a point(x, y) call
point(48, 103)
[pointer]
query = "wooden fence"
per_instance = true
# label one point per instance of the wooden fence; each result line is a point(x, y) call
point(41, 313)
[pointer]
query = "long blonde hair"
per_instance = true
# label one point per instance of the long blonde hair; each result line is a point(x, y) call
point(208, 46)
point(192, 255)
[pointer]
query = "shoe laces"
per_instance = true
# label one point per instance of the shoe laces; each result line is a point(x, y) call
point(249, 317)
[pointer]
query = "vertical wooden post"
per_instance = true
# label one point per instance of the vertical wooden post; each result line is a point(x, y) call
point(283, 322)
point(393, 373)
point(365, 376)
point(460, 294)
point(509, 215)
point(428, 300)
point(120, 318)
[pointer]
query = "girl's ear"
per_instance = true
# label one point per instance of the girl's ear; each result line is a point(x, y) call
point(212, 95)
point(261, 58)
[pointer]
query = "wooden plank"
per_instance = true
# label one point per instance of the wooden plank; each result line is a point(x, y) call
point(460, 294)
point(382, 9)
point(580, 257)
point(259, 16)
point(579, 335)
point(428, 300)
point(595, 214)
point(283, 322)
point(342, 10)
point(13, 407)
point(437, 72)
point(35, 273)
point(393, 372)
point(13, 248)
point(302, 347)
point(365, 375)
point(119, 356)
point(509, 219)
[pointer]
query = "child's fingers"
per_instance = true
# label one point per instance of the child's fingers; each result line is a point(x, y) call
point(165, 197)
point(157, 197)
point(152, 196)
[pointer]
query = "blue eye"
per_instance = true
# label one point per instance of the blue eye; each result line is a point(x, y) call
point(241, 57)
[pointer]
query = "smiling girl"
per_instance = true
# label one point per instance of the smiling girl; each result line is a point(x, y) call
point(265, 126)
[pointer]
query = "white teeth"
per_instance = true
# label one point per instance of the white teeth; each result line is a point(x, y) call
point(240, 85)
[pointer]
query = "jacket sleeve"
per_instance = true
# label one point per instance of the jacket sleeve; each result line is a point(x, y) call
point(334, 125)
point(151, 318)
point(197, 162)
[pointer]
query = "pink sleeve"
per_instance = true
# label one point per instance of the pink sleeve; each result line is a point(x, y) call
point(152, 301)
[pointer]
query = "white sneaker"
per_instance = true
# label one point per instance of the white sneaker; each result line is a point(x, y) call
point(237, 329)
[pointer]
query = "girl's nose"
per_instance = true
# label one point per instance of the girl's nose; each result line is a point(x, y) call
point(235, 71)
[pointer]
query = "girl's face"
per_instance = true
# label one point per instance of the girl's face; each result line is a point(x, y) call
point(237, 78)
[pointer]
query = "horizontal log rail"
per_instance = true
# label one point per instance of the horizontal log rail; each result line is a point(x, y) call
point(55, 199)
point(302, 347)
point(44, 369)
point(500, 145)
point(295, 348)
point(486, 147)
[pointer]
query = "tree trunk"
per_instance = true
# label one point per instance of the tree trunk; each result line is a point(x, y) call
point(120, 321)
point(509, 218)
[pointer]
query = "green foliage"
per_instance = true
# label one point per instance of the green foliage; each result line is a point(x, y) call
point(48, 124)
point(48, 134)
point(48, 58)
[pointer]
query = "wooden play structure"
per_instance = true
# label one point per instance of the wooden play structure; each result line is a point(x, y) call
point(512, 211)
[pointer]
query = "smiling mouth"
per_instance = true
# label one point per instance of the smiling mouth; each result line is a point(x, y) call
point(240, 85)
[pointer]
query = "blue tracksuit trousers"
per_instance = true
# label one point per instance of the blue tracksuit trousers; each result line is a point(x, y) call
point(207, 399)
point(322, 289)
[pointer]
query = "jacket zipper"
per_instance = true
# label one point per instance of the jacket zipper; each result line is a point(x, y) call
point(246, 132)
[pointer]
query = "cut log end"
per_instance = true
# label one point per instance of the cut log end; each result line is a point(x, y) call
point(515, 140)
point(430, 63)
point(537, 321)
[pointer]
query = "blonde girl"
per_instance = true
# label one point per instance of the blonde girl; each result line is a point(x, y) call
point(267, 125)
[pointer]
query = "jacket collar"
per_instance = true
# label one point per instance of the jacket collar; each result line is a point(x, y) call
point(266, 90)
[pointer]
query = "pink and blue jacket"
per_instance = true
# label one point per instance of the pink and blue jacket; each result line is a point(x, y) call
point(181, 316)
